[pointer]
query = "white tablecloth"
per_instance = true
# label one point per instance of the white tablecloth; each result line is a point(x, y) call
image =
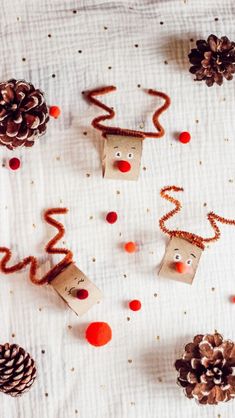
point(133, 376)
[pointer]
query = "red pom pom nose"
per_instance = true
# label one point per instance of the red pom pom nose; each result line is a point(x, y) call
point(181, 267)
point(123, 166)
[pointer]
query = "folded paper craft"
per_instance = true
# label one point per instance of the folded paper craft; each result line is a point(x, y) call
point(64, 277)
point(123, 147)
point(184, 250)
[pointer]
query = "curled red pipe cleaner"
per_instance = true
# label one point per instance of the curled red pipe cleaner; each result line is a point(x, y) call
point(193, 238)
point(50, 249)
point(125, 132)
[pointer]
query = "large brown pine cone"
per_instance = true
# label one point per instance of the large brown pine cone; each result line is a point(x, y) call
point(17, 370)
point(207, 369)
point(213, 60)
point(23, 113)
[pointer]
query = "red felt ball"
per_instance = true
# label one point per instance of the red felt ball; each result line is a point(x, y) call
point(14, 163)
point(184, 137)
point(180, 267)
point(123, 166)
point(232, 299)
point(135, 305)
point(130, 247)
point(55, 111)
point(111, 217)
point(82, 294)
point(98, 333)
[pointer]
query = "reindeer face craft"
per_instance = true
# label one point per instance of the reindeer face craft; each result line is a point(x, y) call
point(184, 250)
point(70, 283)
point(123, 147)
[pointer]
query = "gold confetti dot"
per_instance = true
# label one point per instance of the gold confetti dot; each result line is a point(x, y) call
point(148, 210)
point(158, 337)
point(34, 226)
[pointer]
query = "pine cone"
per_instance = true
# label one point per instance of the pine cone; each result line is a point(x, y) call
point(17, 370)
point(207, 369)
point(23, 113)
point(213, 59)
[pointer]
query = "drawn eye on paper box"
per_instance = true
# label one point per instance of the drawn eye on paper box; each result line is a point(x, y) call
point(122, 150)
point(71, 284)
point(184, 249)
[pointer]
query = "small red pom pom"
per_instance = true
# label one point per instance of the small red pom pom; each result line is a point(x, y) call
point(232, 299)
point(135, 305)
point(55, 111)
point(130, 247)
point(123, 166)
point(180, 267)
point(111, 217)
point(14, 163)
point(98, 333)
point(82, 294)
point(184, 137)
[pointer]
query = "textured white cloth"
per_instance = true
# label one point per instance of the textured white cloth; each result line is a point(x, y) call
point(79, 379)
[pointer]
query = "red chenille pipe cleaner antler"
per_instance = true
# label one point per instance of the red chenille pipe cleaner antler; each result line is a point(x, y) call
point(50, 249)
point(193, 238)
point(126, 132)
